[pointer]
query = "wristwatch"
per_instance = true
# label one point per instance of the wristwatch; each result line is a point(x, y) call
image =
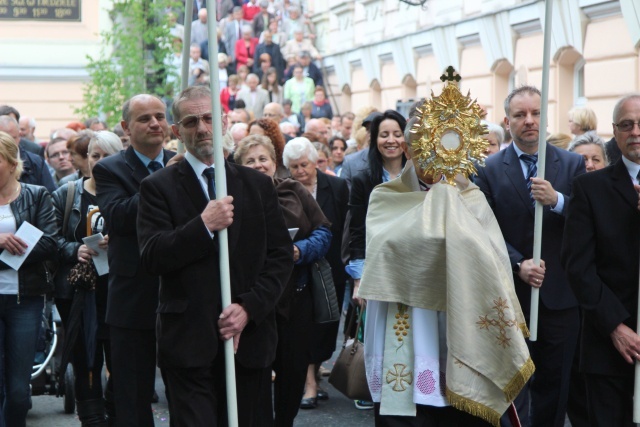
point(516, 269)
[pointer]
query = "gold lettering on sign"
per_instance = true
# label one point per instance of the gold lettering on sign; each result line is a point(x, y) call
point(17, 2)
point(4, 2)
point(19, 11)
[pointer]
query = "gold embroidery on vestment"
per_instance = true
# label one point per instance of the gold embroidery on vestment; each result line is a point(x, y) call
point(399, 376)
point(485, 322)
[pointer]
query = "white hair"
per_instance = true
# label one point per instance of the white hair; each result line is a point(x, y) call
point(286, 126)
point(495, 129)
point(298, 147)
point(107, 141)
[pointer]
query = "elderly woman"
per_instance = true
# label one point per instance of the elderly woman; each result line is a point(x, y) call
point(581, 120)
point(591, 147)
point(294, 311)
point(271, 130)
point(91, 348)
point(332, 194)
point(21, 291)
point(495, 137)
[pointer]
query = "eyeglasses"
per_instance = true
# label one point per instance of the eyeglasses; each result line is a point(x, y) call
point(627, 125)
point(64, 153)
point(192, 121)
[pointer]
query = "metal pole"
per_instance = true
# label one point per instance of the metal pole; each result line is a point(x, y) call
point(221, 191)
point(186, 45)
point(542, 152)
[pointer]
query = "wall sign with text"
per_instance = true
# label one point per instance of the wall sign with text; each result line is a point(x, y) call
point(40, 10)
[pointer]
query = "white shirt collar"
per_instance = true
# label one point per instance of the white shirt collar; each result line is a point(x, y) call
point(633, 169)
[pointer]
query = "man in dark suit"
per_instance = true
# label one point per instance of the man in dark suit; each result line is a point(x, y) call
point(600, 255)
point(505, 181)
point(34, 169)
point(178, 223)
point(277, 60)
point(133, 293)
point(25, 144)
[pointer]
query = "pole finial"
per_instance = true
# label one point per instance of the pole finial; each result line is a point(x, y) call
point(450, 75)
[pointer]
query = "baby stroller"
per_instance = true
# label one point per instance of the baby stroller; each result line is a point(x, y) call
point(44, 379)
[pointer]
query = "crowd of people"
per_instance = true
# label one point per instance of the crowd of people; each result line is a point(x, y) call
point(293, 164)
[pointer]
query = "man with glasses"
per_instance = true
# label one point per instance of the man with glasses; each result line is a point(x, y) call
point(600, 255)
point(133, 293)
point(179, 220)
point(59, 159)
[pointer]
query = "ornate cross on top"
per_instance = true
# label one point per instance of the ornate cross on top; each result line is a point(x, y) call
point(449, 75)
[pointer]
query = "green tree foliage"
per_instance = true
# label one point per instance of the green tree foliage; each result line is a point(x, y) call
point(133, 59)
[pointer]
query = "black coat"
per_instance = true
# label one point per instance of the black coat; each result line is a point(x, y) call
point(133, 293)
point(600, 255)
point(177, 246)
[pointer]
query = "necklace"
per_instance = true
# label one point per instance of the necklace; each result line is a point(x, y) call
point(12, 197)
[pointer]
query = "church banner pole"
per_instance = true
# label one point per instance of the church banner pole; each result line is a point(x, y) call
point(221, 191)
point(542, 151)
point(186, 45)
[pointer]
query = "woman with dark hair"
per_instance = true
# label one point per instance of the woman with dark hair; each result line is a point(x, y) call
point(338, 147)
point(386, 160)
point(271, 130)
point(270, 84)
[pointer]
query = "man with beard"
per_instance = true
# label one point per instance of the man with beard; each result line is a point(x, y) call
point(178, 222)
point(511, 186)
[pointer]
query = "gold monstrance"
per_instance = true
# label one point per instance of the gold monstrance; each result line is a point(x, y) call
point(449, 133)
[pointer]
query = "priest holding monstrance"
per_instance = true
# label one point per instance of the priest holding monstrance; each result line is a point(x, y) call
point(445, 334)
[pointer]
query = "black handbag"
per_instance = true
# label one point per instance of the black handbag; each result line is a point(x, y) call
point(325, 300)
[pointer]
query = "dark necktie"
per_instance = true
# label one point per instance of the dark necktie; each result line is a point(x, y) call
point(531, 160)
point(154, 166)
point(210, 176)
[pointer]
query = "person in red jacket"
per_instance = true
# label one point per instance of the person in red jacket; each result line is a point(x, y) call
point(246, 48)
point(250, 9)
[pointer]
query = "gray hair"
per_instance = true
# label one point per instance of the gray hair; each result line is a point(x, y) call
point(297, 148)
point(107, 141)
point(588, 138)
point(531, 90)
point(618, 107)
point(247, 29)
point(192, 92)
point(7, 120)
point(408, 135)
point(319, 146)
point(495, 129)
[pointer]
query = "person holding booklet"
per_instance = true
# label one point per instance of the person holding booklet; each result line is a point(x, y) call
point(92, 347)
point(21, 289)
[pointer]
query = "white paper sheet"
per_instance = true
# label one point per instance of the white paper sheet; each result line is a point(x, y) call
point(292, 232)
point(30, 235)
point(100, 261)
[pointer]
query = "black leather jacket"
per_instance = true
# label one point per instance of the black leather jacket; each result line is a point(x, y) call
point(34, 205)
point(67, 244)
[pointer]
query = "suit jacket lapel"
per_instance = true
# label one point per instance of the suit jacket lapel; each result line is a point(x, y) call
point(514, 172)
point(552, 165)
point(191, 185)
point(322, 194)
point(235, 189)
point(623, 184)
point(138, 169)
